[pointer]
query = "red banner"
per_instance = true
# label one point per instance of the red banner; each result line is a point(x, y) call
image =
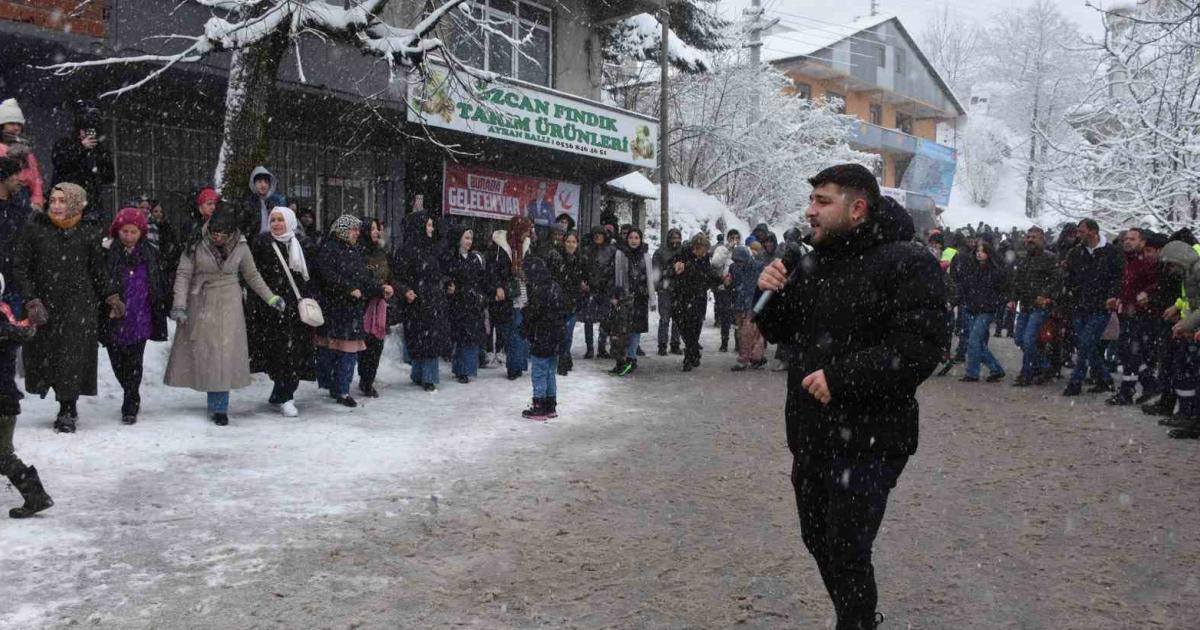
point(477, 192)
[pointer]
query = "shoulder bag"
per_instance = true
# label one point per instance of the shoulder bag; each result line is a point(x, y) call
point(309, 309)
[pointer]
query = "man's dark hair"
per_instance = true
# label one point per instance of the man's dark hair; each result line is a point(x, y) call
point(851, 178)
point(731, 232)
point(9, 167)
point(1141, 233)
point(1090, 224)
point(1155, 240)
point(1184, 235)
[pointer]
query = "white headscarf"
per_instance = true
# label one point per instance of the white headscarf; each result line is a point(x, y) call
point(295, 252)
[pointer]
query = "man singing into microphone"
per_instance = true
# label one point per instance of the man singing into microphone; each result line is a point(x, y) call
point(867, 312)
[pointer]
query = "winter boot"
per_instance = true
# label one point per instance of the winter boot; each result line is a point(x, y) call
point(1073, 389)
point(662, 351)
point(1164, 406)
point(675, 349)
point(1188, 432)
point(536, 411)
point(220, 419)
point(67, 415)
point(550, 406)
point(30, 486)
point(589, 354)
point(618, 368)
point(368, 390)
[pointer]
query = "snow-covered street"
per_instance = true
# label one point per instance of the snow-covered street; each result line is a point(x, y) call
point(659, 501)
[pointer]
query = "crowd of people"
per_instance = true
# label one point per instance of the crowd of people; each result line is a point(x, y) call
point(1082, 307)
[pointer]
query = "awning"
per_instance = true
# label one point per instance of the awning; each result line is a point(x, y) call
point(634, 184)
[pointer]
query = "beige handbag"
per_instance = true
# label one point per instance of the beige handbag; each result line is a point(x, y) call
point(309, 309)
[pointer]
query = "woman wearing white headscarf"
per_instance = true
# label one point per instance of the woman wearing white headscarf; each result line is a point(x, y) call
point(280, 344)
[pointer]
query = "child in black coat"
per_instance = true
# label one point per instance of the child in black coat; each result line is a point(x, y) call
point(544, 327)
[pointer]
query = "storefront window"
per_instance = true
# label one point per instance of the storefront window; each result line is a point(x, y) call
point(518, 20)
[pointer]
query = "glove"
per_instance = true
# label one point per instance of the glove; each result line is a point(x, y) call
point(179, 314)
point(277, 303)
point(12, 333)
point(116, 308)
point(37, 312)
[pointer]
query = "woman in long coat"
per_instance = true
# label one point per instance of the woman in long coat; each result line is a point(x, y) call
point(59, 268)
point(209, 353)
point(280, 344)
point(632, 293)
point(423, 285)
point(468, 303)
point(345, 286)
point(376, 319)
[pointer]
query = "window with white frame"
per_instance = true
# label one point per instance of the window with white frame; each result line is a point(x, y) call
point(517, 42)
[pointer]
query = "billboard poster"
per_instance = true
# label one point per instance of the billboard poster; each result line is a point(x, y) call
point(529, 114)
point(471, 191)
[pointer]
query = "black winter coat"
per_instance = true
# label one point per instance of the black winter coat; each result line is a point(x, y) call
point(1037, 275)
point(689, 299)
point(68, 271)
point(119, 262)
point(567, 270)
point(544, 322)
point(90, 168)
point(472, 294)
point(500, 276)
point(983, 288)
point(280, 344)
point(13, 215)
point(632, 312)
point(418, 267)
point(1092, 277)
point(870, 310)
point(597, 272)
point(339, 270)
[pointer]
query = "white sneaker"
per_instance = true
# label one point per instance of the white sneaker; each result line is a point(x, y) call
point(288, 409)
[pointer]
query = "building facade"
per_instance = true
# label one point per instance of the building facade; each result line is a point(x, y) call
point(344, 139)
point(881, 77)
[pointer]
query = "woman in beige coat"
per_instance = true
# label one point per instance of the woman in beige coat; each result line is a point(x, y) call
point(210, 353)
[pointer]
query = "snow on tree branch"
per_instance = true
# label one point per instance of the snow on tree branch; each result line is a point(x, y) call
point(640, 37)
point(250, 22)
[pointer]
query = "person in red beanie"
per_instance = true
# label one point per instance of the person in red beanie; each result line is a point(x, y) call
point(134, 268)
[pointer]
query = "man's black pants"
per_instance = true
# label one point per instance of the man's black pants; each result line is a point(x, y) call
point(841, 503)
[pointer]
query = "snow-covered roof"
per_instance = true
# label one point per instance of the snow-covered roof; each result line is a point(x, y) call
point(635, 184)
point(793, 40)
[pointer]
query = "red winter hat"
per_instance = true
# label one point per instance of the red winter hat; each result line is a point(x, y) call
point(128, 216)
point(206, 195)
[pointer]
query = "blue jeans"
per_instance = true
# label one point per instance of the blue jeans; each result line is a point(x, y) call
point(516, 359)
point(335, 371)
point(566, 349)
point(542, 376)
point(963, 326)
point(631, 346)
point(1088, 330)
point(466, 361)
point(1028, 330)
point(977, 348)
point(425, 371)
point(218, 402)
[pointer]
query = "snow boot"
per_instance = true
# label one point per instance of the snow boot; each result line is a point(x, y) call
point(220, 419)
point(30, 486)
point(1164, 406)
point(1177, 421)
point(618, 368)
point(1073, 389)
point(589, 354)
point(550, 406)
point(64, 423)
point(1189, 432)
point(368, 390)
point(662, 351)
point(536, 410)
point(675, 349)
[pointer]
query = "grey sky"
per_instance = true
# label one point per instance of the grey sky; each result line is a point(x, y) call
point(914, 13)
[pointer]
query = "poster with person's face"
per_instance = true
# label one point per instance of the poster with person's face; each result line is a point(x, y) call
point(478, 192)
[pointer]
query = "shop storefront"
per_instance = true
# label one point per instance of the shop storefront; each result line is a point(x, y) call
point(510, 148)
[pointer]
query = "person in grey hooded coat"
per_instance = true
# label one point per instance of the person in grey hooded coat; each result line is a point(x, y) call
point(263, 197)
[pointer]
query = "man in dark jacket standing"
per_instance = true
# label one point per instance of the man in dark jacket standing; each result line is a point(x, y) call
point(84, 158)
point(1035, 283)
point(1093, 281)
point(1135, 348)
point(663, 257)
point(867, 311)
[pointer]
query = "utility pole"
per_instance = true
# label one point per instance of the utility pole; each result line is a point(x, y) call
point(874, 8)
point(664, 163)
point(755, 28)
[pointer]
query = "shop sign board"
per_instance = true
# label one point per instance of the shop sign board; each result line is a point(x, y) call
point(478, 192)
point(531, 115)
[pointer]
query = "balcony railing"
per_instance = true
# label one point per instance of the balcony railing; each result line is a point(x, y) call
point(881, 138)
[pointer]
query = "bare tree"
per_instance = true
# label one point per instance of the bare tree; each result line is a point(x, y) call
point(953, 47)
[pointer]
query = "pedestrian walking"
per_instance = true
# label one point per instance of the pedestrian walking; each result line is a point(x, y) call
point(664, 256)
point(1093, 277)
point(512, 246)
point(543, 325)
point(13, 333)
point(281, 344)
point(631, 297)
point(137, 276)
point(344, 287)
point(467, 304)
point(868, 312)
point(692, 277)
point(983, 285)
point(1035, 284)
point(743, 281)
point(16, 145)
point(210, 352)
point(378, 315)
point(60, 271)
point(1135, 346)
point(424, 286)
point(85, 158)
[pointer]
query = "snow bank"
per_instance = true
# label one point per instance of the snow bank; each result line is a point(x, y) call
point(1006, 210)
point(693, 211)
point(635, 184)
